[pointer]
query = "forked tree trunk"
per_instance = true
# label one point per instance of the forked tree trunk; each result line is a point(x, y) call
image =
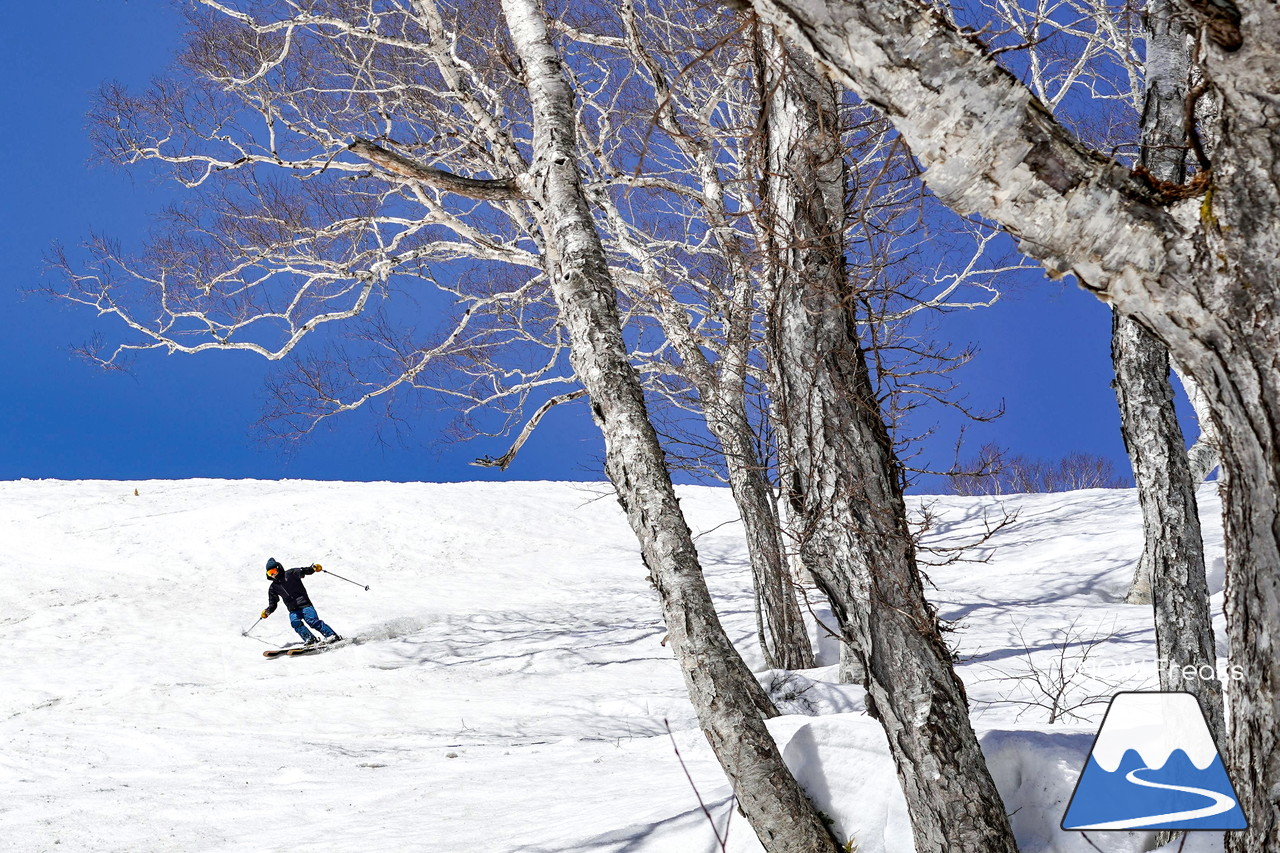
point(1176, 585)
point(1171, 572)
point(846, 485)
point(723, 692)
point(784, 639)
point(1148, 421)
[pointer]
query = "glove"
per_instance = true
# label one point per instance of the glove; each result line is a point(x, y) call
point(265, 614)
point(317, 567)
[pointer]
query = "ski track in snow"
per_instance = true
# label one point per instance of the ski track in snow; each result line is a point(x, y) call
point(511, 692)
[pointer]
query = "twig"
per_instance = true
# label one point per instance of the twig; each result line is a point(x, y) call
point(722, 841)
point(1090, 842)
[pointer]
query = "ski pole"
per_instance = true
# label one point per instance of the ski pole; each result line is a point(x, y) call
point(246, 631)
point(348, 580)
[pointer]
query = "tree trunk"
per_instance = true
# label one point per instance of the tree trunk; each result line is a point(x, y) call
point(846, 485)
point(1203, 455)
point(1148, 421)
point(725, 695)
point(1198, 271)
point(1174, 551)
point(784, 639)
point(721, 384)
point(1234, 355)
point(1171, 573)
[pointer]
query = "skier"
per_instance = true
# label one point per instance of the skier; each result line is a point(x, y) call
point(286, 584)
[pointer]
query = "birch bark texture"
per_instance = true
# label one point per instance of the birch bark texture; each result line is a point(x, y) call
point(1148, 421)
point(846, 487)
point(1171, 571)
point(784, 638)
point(1198, 272)
point(1171, 568)
point(723, 691)
point(1203, 456)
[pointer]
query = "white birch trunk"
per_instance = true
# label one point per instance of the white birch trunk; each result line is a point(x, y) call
point(845, 485)
point(784, 639)
point(1202, 458)
point(724, 693)
point(721, 383)
point(1173, 552)
point(1171, 572)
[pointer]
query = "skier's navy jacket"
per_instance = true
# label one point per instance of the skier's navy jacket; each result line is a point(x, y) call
point(288, 586)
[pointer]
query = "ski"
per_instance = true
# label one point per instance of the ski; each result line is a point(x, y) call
point(299, 651)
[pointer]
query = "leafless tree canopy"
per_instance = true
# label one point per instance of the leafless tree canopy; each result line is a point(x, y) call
point(996, 471)
point(511, 205)
point(357, 208)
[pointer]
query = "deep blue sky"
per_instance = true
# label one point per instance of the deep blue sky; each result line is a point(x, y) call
point(1043, 348)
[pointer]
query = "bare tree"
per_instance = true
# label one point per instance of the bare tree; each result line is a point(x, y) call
point(702, 299)
point(699, 89)
point(1172, 566)
point(1171, 570)
point(944, 819)
point(717, 681)
point(994, 471)
point(286, 236)
point(1157, 93)
point(844, 482)
point(421, 143)
point(1191, 266)
point(1061, 683)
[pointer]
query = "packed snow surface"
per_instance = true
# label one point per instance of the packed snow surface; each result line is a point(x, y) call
point(511, 691)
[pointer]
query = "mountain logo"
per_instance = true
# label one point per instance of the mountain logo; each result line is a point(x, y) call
point(1154, 765)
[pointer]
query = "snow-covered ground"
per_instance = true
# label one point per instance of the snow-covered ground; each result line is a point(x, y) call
point(512, 693)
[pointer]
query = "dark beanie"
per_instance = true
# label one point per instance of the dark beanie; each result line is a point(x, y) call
point(272, 564)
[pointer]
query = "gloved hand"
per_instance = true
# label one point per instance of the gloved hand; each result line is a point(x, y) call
point(265, 614)
point(317, 567)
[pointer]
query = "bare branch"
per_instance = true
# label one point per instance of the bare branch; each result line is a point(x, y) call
point(507, 458)
point(483, 189)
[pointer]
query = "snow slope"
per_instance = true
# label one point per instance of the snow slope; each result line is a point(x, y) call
point(512, 694)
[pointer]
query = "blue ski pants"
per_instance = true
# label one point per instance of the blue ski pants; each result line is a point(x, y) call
point(308, 615)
